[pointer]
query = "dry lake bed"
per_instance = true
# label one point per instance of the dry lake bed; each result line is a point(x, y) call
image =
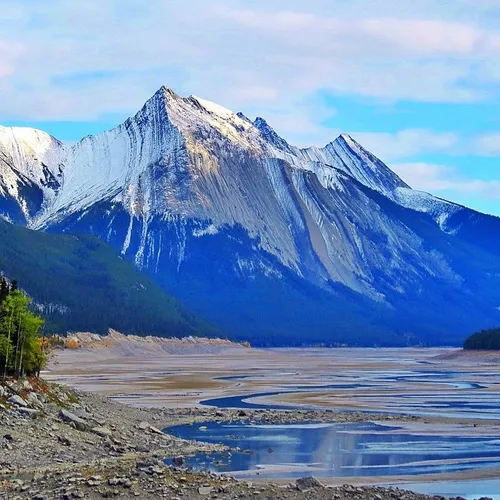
point(432, 415)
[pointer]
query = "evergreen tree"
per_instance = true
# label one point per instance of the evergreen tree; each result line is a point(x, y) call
point(21, 349)
point(4, 289)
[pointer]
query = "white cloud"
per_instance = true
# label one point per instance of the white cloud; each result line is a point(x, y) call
point(435, 178)
point(85, 59)
point(487, 145)
point(9, 52)
point(406, 143)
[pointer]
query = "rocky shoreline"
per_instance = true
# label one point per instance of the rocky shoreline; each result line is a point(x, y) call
point(59, 443)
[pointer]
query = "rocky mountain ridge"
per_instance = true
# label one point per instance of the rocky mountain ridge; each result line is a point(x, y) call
point(212, 204)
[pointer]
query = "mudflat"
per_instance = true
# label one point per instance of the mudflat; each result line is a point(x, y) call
point(397, 381)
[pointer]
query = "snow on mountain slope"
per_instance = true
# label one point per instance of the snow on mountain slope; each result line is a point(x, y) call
point(185, 178)
point(30, 172)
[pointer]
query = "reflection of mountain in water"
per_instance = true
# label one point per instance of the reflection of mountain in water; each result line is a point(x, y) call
point(339, 450)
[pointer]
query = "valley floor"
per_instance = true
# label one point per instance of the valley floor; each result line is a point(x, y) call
point(118, 449)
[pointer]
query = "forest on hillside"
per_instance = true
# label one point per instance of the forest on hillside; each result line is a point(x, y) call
point(485, 340)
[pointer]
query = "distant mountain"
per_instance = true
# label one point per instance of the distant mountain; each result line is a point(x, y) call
point(79, 283)
point(271, 242)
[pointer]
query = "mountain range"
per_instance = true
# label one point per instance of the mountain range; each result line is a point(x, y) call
point(271, 243)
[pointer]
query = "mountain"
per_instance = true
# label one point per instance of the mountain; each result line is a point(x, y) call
point(80, 283)
point(272, 242)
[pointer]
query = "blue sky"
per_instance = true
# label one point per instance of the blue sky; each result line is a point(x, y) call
point(416, 82)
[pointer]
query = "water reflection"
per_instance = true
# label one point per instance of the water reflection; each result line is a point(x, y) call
point(337, 450)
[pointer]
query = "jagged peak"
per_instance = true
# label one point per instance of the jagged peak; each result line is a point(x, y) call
point(367, 168)
point(345, 139)
point(243, 117)
point(270, 134)
point(261, 123)
point(168, 91)
point(163, 97)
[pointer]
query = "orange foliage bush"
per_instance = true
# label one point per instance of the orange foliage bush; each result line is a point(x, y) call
point(72, 343)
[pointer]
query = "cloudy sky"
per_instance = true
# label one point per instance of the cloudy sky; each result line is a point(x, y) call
point(415, 81)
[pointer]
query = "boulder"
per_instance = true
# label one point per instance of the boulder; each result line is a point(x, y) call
point(18, 401)
point(70, 418)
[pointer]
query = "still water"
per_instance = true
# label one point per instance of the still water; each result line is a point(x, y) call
point(337, 450)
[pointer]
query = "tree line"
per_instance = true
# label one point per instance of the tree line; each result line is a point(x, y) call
point(22, 349)
point(488, 340)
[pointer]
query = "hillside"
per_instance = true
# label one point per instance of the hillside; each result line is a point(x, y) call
point(80, 283)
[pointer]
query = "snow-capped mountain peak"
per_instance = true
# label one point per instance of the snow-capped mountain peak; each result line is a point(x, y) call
point(31, 166)
point(205, 198)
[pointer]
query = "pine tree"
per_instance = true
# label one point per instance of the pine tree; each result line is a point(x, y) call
point(4, 290)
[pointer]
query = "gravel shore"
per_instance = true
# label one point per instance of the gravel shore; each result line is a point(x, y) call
point(58, 443)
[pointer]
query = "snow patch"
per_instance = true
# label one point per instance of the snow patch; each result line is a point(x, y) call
point(210, 230)
point(214, 108)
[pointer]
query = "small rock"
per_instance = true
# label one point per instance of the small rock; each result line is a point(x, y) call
point(143, 426)
point(33, 400)
point(27, 386)
point(29, 412)
point(205, 490)
point(64, 440)
point(179, 461)
point(308, 483)
point(102, 431)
